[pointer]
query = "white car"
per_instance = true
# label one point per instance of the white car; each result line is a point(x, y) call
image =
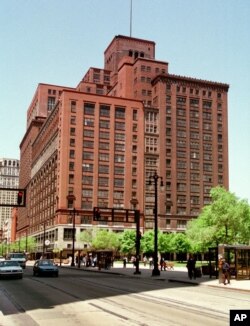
point(10, 269)
point(2, 258)
point(19, 257)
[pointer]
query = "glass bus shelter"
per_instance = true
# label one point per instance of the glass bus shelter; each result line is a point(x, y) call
point(238, 257)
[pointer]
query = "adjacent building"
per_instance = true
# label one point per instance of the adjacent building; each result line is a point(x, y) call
point(9, 178)
point(97, 145)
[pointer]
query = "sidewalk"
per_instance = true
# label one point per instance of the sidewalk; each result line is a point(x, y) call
point(179, 275)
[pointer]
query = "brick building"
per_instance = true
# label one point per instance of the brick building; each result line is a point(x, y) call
point(102, 140)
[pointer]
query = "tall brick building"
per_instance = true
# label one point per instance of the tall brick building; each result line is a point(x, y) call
point(102, 140)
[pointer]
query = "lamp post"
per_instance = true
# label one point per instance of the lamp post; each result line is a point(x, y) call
point(44, 232)
point(134, 202)
point(156, 177)
point(26, 240)
point(73, 236)
point(71, 198)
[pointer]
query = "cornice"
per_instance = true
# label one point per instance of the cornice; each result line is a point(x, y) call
point(179, 78)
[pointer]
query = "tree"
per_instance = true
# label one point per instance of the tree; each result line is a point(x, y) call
point(105, 240)
point(23, 244)
point(87, 236)
point(226, 220)
point(200, 234)
point(127, 242)
point(165, 242)
point(180, 243)
point(147, 242)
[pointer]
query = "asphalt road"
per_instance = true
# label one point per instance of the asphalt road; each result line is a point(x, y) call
point(78, 297)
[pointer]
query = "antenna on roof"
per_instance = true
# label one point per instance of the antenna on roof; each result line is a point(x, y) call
point(131, 4)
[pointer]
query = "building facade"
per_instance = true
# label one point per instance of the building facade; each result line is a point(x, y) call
point(9, 178)
point(98, 144)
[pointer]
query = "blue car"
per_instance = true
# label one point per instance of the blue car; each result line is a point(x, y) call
point(45, 267)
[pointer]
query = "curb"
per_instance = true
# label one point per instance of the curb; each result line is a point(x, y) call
point(171, 280)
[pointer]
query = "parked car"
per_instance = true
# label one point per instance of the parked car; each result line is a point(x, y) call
point(10, 269)
point(20, 257)
point(2, 258)
point(45, 267)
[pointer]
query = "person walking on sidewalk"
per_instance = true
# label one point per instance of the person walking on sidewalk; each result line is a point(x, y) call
point(225, 272)
point(191, 267)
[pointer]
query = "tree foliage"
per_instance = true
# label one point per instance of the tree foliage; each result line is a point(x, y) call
point(147, 242)
point(127, 242)
point(105, 240)
point(24, 244)
point(226, 220)
point(165, 243)
point(179, 243)
point(87, 236)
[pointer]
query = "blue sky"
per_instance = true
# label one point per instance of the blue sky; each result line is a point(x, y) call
point(56, 41)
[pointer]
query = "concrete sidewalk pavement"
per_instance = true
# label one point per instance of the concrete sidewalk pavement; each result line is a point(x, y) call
point(179, 275)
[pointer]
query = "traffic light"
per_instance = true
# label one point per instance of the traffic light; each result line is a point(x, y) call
point(97, 214)
point(21, 198)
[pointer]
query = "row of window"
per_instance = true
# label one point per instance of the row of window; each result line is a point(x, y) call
point(196, 91)
point(193, 114)
point(193, 103)
point(120, 112)
point(149, 69)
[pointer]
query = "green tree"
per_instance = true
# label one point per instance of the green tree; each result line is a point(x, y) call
point(127, 242)
point(180, 243)
point(165, 242)
point(147, 242)
point(23, 244)
point(105, 240)
point(226, 220)
point(200, 234)
point(87, 236)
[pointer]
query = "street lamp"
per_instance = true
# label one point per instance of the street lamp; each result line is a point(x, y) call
point(73, 236)
point(155, 177)
point(44, 233)
point(134, 202)
point(71, 198)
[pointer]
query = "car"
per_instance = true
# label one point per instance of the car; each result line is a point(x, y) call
point(45, 267)
point(20, 257)
point(10, 269)
point(2, 258)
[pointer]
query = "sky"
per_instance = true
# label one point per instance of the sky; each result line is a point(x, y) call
point(56, 41)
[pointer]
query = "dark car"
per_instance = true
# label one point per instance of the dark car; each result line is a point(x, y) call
point(45, 267)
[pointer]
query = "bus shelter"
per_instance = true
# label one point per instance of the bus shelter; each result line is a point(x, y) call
point(104, 258)
point(238, 257)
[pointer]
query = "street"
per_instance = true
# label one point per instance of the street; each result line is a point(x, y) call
point(80, 297)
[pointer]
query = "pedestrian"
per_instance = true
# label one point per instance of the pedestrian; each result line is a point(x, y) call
point(124, 262)
point(191, 267)
point(151, 262)
point(133, 260)
point(225, 272)
point(145, 260)
point(162, 263)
